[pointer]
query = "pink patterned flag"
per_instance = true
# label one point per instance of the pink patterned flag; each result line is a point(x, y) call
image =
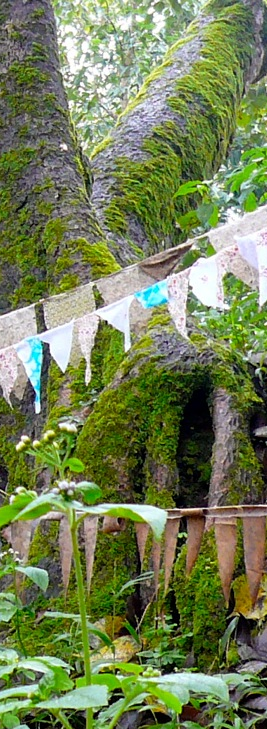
point(8, 371)
point(177, 292)
point(87, 327)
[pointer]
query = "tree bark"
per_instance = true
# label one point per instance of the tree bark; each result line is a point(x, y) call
point(45, 214)
point(178, 128)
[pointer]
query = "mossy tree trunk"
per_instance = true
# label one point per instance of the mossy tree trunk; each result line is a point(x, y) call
point(178, 128)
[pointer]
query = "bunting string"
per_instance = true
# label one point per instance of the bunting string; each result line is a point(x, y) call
point(205, 277)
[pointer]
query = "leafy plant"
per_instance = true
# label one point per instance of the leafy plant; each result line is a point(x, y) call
point(56, 692)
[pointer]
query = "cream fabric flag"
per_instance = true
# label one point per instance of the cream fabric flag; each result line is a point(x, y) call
point(117, 315)
point(178, 292)
point(60, 341)
point(65, 307)
point(253, 248)
point(14, 326)
point(8, 371)
point(87, 327)
point(206, 280)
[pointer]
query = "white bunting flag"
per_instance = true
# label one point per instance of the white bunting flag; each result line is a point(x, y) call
point(253, 248)
point(8, 371)
point(117, 315)
point(87, 327)
point(60, 341)
point(177, 292)
point(206, 280)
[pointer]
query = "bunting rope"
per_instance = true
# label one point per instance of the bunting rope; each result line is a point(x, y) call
point(205, 277)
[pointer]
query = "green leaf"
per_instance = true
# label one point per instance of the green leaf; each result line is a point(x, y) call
point(42, 664)
point(208, 213)
point(103, 679)
point(90, 491)
point(120, 665)
point(10, 721)
point(8, 606)
point(89, 697)
point(18, 691)
point(75, 465)
point(250, 203)
point(188, 188)
point(35, 574)
point(156, 518)
point(55, 680)
point(15, 705)
point(188, 220)
point(198, 682)
point(170, 700)
point(91, 627)
point(41, 506)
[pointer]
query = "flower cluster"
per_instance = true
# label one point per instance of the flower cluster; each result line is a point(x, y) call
point(64, 488)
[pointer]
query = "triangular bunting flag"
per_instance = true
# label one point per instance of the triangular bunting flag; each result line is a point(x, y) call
point(171, 534)
point(59, 340)
point(254, 534)
point(87, 327)
point(8, 371)
point(177, 292)
point(30, 351)
point(226, 539)
point(66, 551)
point(156, 555)
point(117, 315)
point(142, 530)
point(195, 530)
point(154, 295)
point(90, 524)
point(206, 280)
point(253, 248)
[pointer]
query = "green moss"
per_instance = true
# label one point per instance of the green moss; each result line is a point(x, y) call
point(200, 603)
point(206, 101)
point(102, 262)
point(102, 145)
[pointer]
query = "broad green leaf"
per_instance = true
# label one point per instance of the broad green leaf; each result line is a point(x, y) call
point(250, 203)
point(8, 606)
point(170, 699)
point(91, 627)
point(42, 664)
point(35, 574)
point(55, 680)
point(120, 665)
point(89, 697)
point(18, 691)
point(156, 518)
point(103, 679)
point(41, 506)
point(90, 491)
point(15, 705)
point(10, 721)
point(198, 682)
point(8, 654)
point(75, 465)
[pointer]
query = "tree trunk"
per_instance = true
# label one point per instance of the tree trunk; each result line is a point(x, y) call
point(178, 128)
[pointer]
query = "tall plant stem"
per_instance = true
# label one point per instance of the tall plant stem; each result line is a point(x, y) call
point(83, 615)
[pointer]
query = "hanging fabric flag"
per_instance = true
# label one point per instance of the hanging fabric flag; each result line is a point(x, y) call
point(178, 291)
point(253, 248)
point(30, 351)
point(154, 295)
point(60, 341)
point(8, 371)
point(117, 315)
point(87, 327)
point(206, 280)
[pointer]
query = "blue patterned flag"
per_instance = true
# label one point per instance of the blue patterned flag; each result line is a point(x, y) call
point(154, 295)
point(30, 352)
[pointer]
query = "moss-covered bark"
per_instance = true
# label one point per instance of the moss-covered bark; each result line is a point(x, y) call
point(178, 128)
point(46, 221)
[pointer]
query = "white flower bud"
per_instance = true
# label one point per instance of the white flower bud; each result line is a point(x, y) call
point(36, 443)
point(25, 439)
